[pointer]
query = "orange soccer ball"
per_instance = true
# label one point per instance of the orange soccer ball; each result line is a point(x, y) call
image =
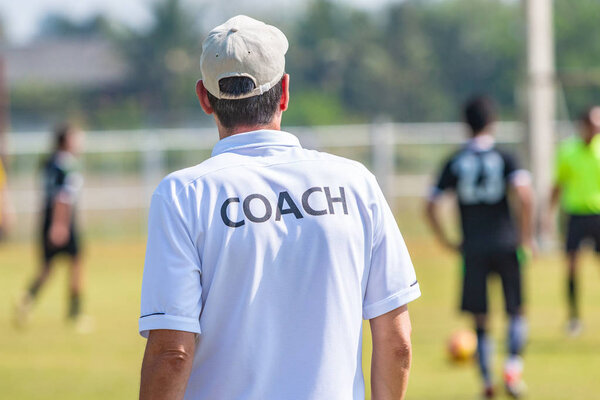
point(462, 345)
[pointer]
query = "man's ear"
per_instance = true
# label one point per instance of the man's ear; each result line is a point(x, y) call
point(202, 94)
point(285, 95)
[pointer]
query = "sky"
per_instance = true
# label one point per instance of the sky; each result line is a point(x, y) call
point(21, 17)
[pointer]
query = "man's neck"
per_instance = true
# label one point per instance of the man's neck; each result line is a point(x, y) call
point(223, 132)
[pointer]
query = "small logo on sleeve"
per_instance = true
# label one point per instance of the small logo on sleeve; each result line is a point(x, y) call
point(310, 203)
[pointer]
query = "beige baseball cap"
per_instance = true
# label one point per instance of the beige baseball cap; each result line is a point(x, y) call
point(243, 46)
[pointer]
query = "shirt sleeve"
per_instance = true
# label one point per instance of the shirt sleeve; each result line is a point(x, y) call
point(447, 180)
point(69, 187)
point(513, 173)
point(171, 287)
point(392, 281)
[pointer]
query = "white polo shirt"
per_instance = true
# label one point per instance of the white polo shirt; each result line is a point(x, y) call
point(273, 254)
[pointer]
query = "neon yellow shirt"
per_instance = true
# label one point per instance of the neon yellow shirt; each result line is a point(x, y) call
point(577, 173)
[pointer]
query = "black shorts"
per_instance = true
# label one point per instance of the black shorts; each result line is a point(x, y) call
point(70, 248)
point(477, 268)
point(580, 228)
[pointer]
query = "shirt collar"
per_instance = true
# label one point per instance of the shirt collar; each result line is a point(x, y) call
point(259, 138)
point(482, 142)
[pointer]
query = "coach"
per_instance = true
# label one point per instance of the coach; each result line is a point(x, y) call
point(263, 260)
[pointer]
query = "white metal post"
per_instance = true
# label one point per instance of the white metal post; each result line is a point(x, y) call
point(153, 163)
point(541, 95)
point(382, 153)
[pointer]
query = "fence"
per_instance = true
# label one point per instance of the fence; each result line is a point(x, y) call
point(122, 168)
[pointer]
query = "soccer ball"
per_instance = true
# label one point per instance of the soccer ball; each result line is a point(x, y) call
point(462, 345)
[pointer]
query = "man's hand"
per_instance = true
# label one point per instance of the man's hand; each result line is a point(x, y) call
point(530, 247)
point(392, 352)
point(452, 246)
point(61, 220)
point(167, 364)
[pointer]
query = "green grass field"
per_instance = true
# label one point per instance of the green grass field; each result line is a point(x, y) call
point(50, 361)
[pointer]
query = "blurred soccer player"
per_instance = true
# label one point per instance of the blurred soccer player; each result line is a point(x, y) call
point(482, 176)
point(61, 183)
point(263, 260)
point(577, 187)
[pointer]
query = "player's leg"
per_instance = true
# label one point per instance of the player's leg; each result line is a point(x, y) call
point(76, 274)
point(39, 279)
point(484, 353)
point(574, 325)
point(75, 287)
point(474, 301)
point(82, 323)
point(509, 269)
point(25, 303)
point(576, 232)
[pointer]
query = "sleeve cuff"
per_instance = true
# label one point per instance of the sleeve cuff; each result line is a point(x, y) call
point(520, 177)
point(162, 321)
point(434, 193)
point(65, 196)
point(394, 301)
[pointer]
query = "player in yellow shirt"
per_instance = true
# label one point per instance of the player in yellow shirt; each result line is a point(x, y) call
point(577, 187)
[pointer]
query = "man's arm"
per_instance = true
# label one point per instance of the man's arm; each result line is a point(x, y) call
point(392, 352)
point(547, 219)
point(554, 198)
point(526, 202)
point(431, 212)
point(7, 214)
point(167, 364)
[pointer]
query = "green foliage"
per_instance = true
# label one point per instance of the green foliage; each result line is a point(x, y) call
point(316, 108)
point(163, 59)
point(59, 26)
point(478, 47)
point(118, 114)
point(414, 60)
point(417, 61)
point(50, 103)
point(578, 52)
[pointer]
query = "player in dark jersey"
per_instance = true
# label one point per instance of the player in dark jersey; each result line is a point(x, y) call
point(482, 177)
point(61, 185)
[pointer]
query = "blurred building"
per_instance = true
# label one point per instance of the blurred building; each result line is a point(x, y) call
point(86, 63)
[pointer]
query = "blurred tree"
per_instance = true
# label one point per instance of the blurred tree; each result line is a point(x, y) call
point(60, 26)
point(334, 52)
point(578, 52)
point(413, 60)
point(479, 48)
point(161, 60)
point(412, 87)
